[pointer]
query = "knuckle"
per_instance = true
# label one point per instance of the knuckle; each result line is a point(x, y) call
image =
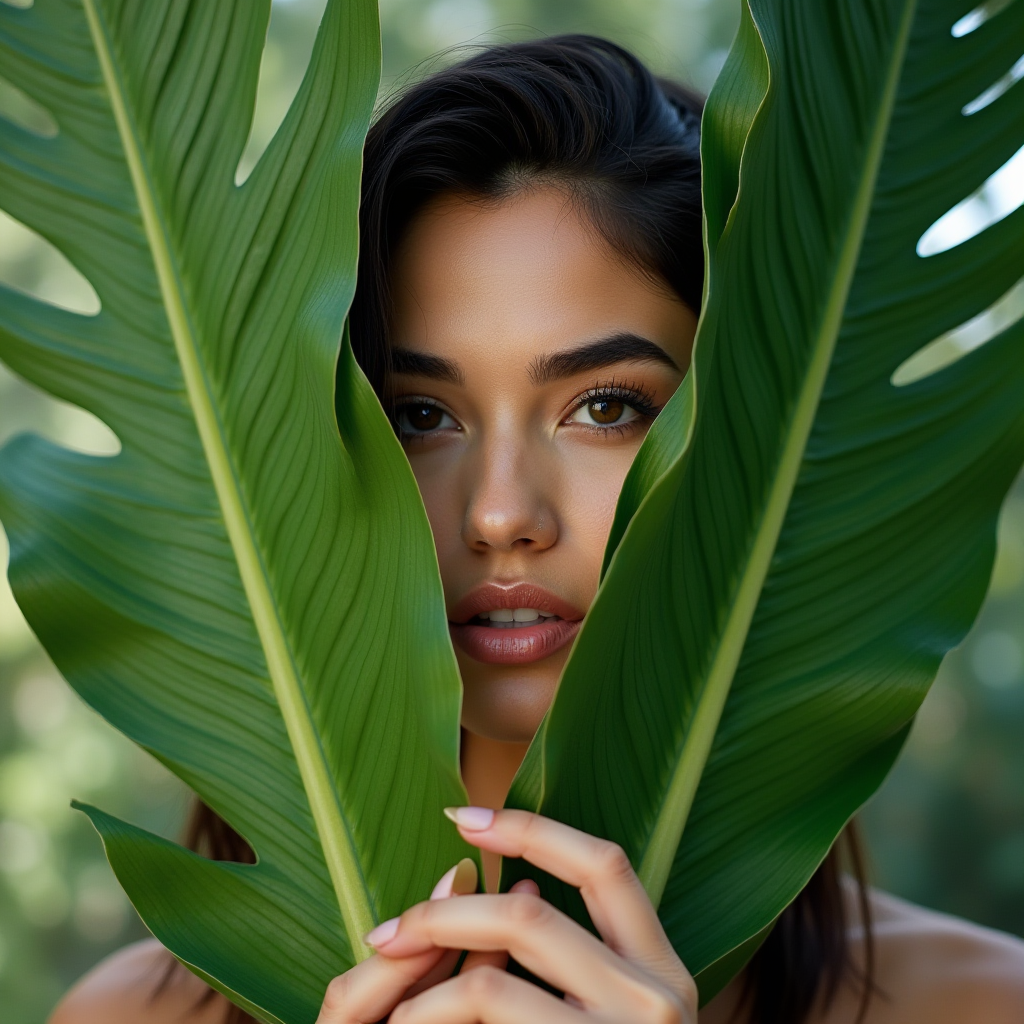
point(531, 826)
point(663, 1007)
point(484, 984)
point(527, 910)
point(688, 991)
point(612, 863)
point(336, 995)
point(424, 918)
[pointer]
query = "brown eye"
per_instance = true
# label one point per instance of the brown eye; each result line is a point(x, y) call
point(606, 410)
point(423, 417)
point(413, 418)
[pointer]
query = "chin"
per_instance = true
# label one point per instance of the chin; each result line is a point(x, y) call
point(507, 706)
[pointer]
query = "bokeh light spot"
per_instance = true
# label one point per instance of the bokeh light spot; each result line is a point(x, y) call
point(998, 660)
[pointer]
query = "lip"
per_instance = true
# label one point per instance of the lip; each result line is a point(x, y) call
point(520, 646)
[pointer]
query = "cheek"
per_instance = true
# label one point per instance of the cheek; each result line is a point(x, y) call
point(593, 479)
point(437, 476)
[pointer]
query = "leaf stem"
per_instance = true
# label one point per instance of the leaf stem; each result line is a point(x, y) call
point(354, 900)
point(659, 856)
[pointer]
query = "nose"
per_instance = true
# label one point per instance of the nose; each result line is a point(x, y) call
point(507, 508)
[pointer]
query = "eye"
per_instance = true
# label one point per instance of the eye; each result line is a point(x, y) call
point(614, 408)
point(604, 411)
point(420, 417)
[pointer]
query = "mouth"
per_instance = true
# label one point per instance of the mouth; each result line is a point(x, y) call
point(513, 625)
point(512, 618)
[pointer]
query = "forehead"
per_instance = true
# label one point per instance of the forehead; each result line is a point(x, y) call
point(518, 277)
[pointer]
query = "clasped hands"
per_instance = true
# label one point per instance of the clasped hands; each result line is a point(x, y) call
point(631, 975)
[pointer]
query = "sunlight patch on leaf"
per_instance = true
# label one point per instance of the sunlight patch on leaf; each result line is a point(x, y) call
point(976, 18)
point(955, 344)
point(997, 89)
point(998, 197)
point(290, 37)
point(30, 264)
point(20, 109)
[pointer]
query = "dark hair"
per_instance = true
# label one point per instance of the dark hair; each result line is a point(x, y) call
point(585, 116)
point(574, 112)
point(206, 832)
point(806, 957)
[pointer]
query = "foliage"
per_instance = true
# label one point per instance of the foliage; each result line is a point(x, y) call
point(246, 594)
point(975, 296)
point(819, 537)
point(62, 910)
point(947, 830)
point(687, 39)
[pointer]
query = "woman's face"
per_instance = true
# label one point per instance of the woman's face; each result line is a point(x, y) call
point(530, 360)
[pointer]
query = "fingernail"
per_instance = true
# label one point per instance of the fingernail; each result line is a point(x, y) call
point(465, 879)
point(443, 889)
point(383, 933)
point(457, 881)
point(473, 819)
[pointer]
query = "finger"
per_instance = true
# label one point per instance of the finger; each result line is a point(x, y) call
point(442, 971)
point(499, 958)
point(486, 996)
point(457, 881)
point(617, 902)
point(541, 938)
point(372, 989)
point(527, 885)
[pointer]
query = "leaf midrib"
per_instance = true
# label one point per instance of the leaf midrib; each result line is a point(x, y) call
point(659, 855)
point(350, 888)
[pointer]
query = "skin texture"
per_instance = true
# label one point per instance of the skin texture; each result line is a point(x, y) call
point(520, 484)
point(515, 492)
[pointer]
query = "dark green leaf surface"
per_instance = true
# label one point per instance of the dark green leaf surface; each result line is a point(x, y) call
point(243, 592)
point(812, 540)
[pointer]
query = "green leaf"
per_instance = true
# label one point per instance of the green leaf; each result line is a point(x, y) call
point(247, 594)
point(728, 114)
point(810, 541)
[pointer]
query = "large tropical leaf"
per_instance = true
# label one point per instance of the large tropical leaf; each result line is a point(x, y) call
point(812, 539)
point(243, 592)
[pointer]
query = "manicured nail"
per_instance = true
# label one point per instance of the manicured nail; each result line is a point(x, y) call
point(383, 933)
point(443, 889)
point(472, 819)
point(465, 879)
point(457, 881)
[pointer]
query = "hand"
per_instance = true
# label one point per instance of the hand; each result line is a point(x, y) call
point(372, 989)
point(632, 976)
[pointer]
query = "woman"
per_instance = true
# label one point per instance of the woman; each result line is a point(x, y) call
point(529, 288)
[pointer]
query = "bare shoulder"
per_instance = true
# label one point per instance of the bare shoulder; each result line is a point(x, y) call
point(123, 990)
point(938, 968)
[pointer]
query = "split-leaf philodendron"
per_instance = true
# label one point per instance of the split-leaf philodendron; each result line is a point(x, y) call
point(249, 588)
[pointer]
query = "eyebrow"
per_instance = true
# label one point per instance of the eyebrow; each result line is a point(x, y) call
point(616, 348)
point(432, 367)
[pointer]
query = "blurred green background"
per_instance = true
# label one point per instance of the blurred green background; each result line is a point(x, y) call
point(948, 828)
